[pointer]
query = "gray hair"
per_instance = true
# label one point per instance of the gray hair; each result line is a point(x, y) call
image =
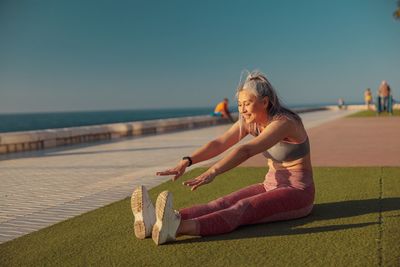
point(257, 84)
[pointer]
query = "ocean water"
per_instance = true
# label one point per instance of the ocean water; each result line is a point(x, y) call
point(37, 121)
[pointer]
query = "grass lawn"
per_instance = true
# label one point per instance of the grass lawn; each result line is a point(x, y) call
point(355, 222)
point(371, 113)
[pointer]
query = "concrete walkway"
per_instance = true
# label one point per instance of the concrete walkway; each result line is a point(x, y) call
point(41, 188)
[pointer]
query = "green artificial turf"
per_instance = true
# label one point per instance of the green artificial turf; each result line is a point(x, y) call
point(371, 113)
point(355, 222)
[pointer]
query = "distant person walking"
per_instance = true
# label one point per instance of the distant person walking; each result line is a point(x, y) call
point(368, 98)
point(222, 110)
point(341, 104)
point(384, 98)
point(286, 193)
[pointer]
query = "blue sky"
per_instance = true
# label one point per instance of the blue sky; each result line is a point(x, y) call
point(71, 55)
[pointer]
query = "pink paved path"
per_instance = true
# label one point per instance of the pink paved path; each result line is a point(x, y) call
point(352, 142)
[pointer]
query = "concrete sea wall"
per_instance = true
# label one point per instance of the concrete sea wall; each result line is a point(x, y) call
point(41, 139)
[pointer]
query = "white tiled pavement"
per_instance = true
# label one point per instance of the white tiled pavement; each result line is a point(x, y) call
point(41, 188)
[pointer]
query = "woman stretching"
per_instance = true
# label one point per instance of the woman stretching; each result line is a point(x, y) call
point(286, 193)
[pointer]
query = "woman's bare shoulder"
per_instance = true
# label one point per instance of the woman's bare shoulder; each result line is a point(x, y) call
point(295, 128)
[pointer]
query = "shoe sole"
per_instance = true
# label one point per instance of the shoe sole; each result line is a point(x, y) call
point(164, 200)
point(143, 218)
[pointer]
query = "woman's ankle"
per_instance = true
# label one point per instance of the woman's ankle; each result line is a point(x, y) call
point(188, 227)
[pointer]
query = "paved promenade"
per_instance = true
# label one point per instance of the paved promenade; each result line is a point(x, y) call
point(44, 187)
point(347, 142)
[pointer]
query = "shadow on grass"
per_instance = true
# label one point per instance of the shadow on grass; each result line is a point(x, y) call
point(321, 212)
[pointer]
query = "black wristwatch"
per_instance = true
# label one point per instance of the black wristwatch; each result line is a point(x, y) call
point(189, 159)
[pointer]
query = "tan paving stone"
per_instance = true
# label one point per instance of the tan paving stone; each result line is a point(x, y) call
point(352, 142)
point(357, 142)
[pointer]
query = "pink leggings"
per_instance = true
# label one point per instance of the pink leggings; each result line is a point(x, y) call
point(250, 205)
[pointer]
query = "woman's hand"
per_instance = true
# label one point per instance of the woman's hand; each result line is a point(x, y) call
point(204, 178)
point(178, 171)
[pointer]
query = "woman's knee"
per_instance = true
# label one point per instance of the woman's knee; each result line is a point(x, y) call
point(221, 203)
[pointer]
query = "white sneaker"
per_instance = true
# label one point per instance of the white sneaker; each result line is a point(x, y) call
point(144, 212)
point(168, 219)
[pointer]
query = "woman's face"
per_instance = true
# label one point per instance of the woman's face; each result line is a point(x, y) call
point(252, 108)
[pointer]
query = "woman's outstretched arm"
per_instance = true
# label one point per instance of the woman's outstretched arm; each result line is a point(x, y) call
point(272, 134)
point(218, 145)
point(209, 150)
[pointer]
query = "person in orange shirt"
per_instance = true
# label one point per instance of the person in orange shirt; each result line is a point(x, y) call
point(222, 110)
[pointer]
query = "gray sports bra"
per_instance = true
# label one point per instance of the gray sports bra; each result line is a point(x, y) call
point(283, 151)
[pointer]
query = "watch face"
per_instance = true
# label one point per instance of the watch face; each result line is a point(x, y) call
point(189, 159)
